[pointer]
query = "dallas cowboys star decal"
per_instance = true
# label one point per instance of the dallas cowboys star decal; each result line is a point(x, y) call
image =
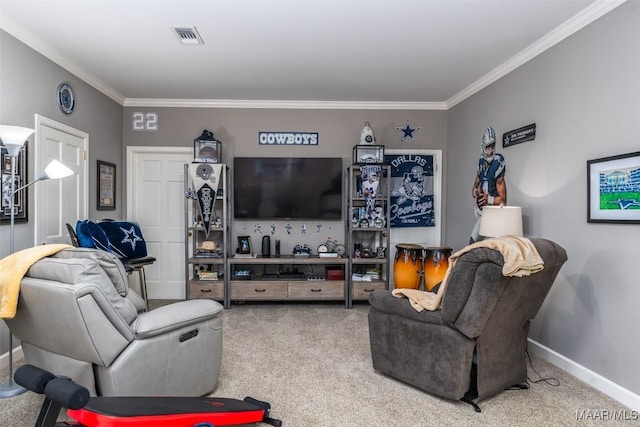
point(131, 237)
point(408, 132)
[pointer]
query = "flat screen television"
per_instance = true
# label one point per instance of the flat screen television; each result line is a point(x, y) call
point(287, 188)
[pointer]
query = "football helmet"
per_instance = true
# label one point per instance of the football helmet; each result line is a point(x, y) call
point(488, 138)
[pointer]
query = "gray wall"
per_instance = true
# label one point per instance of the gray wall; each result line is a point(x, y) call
point(237, 129)
point(584, 96)
point(28, 83)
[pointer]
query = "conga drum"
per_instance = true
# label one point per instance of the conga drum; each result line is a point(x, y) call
point(436, 263)
point(407, 267)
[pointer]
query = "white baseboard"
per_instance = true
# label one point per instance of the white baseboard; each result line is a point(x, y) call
point(4, 358)
point(597, 381)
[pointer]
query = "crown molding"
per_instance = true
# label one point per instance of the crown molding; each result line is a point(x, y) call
point(278, 104)
point(51, 53)
point(579, 21)
point(569, 27)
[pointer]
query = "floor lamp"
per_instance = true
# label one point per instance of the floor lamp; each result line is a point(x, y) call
point(13, 138)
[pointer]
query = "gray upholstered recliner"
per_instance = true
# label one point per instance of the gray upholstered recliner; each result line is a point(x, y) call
point(477, 340)
point(76, 317)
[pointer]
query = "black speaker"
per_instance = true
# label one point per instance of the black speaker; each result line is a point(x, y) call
point(278, 248)
point(266, 246)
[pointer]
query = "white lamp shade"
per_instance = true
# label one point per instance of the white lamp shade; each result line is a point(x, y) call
point(56, 170)
point(14, 137)
point(498, 221)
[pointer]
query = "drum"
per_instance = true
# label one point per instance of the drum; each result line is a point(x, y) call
point(407, 267)
point(436, 263)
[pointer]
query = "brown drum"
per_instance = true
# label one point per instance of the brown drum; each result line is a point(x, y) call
point(436, 263)
point(407, 267)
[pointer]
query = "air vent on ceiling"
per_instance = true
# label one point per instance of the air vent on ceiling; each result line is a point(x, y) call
point(188, 35)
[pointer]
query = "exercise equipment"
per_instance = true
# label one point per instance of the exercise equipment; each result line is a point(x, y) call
point(112, 411)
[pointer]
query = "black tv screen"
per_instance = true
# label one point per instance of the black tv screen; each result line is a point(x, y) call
point(287, 188)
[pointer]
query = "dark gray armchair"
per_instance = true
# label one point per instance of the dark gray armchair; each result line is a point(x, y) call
point(474, 346)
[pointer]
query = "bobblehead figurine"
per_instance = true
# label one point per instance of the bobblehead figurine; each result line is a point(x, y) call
point(366, 136)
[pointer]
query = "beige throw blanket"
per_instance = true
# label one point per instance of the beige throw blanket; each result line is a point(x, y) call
point(520, 259)
point(12, 270)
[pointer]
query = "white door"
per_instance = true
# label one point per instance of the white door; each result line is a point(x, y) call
point(59, 201)
point(155, 199)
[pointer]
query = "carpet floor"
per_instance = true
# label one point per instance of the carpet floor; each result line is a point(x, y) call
point(312, 362)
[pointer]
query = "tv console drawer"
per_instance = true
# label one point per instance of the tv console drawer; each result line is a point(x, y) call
point(206, 289)
point(258, 289)
point(361, 290)
point(316, 289)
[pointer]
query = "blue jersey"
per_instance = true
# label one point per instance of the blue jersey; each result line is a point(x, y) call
point(489, 173)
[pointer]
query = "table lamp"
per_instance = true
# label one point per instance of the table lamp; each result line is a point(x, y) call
point(498, 221)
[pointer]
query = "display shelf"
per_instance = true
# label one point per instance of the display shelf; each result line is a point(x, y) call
point(210, 180)
point(290, 277)
point(367, 230)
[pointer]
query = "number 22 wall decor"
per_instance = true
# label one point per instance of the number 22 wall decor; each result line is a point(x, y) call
point(144, 121)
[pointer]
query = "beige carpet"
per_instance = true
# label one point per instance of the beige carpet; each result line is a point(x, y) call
point(312, 363)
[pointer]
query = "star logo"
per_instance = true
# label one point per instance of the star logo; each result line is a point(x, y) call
point(407, 132)
point(131, 237)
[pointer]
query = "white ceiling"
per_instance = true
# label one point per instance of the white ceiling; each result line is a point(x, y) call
point(428, 54)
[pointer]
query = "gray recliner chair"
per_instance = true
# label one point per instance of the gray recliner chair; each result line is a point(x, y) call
point(77, 317)
point(474, 346)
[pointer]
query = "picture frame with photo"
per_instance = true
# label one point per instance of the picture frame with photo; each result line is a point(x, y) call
point(106, 186)
point(244, 245)
point(20, 198)
point(613, 189)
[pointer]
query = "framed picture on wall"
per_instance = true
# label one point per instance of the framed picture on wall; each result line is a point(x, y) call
point(21, 197)
point(412, 188)
point(106, 186)
point(613, 189)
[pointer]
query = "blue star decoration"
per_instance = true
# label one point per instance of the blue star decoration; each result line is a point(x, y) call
point(408, 132)
point(131, 237)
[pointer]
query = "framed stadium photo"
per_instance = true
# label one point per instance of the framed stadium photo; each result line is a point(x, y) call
point(613, 189)
point(106, 186)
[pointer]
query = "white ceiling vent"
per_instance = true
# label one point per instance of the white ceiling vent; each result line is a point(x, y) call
point(188, 35)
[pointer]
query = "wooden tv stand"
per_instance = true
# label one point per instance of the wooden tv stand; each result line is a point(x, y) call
point(286, 277)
